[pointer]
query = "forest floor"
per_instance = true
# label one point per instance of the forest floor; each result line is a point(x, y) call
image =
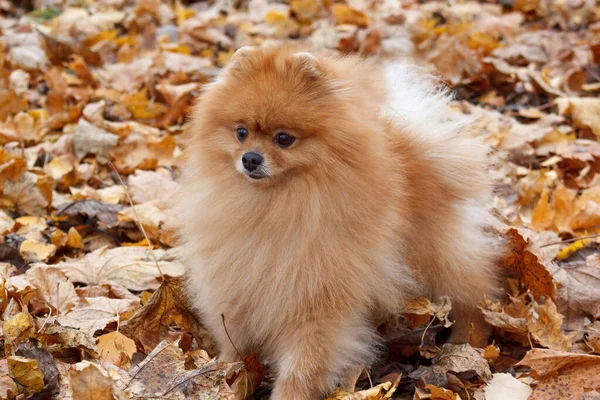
point(93, 98)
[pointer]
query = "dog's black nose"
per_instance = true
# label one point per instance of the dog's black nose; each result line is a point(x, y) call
point(252, 161)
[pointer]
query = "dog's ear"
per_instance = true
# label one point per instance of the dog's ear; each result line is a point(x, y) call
point(307, 64)
point(238, 58)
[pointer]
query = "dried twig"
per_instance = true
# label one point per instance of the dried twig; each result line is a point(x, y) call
point(137, 218)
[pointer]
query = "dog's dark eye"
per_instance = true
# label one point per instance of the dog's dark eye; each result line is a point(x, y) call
point(284, 140)
point(241, 133)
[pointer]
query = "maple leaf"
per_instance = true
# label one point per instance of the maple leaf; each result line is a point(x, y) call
point(95, 313)
point(130, 267)
point(148, 379)
point(562, 372)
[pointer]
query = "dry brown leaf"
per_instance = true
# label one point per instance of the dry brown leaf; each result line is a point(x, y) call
point(587, 217)
point(6, 223)
point(379, 392)
point(116, 348)
point(438, 393)
point(527, 267)
point(89, 139)
point(89, 382)
point(34, 251)
point(423, 306)
point(95, 313)
point(453, 358)
point(57, 337)
point(561, 372)
point(592, 336)
point(150, 323)
point(156, 186)
point(585, 112)
point(26, 194)
point(578, 290)
point(18, 328)
point(55, 289)
point(149, 215)
point(345, 14)
point(544, 323)
point(8, 387)
point(149, 379)
point(131, 267)
point(27, 373)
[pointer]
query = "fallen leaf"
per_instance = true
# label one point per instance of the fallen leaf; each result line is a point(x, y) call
point(26, 194)
point(585, 112)
point(131, 267)
point(380, 392)
point(148, 379)
point(89, 382)
point(561, 372)
point(8, 387)
point(578, 290)
point(453, 358)
point(116, 348)
point(27, 373)
point(152, 320)
point(95, 313)
point(90, 139)
point(34, 251)
point(18, 328)
point(55, 289)
point(156, 186)
point(505, 386)
point(345, 14)
point(105, 213)
point(527, 266)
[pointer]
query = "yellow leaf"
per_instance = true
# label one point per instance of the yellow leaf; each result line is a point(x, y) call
point(109, 35)
point(74, 239)
point(182, 13)
point(27, 373)
point(19, 327)
point(347, 15)
point(569, 250)
point(275, 17)
point(139, 105)
point(305, 10)
point(33, 250)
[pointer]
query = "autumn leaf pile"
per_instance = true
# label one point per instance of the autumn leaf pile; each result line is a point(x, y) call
point(93, 98)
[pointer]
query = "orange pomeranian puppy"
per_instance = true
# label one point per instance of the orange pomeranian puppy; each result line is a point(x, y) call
point(319, 192)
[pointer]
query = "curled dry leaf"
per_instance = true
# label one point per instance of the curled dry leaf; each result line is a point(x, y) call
point(27, 373)
point(95, 313)
point(130, 267)
point(54, 289)
point(150, 323)
point(149, 379)
point(89, 382)
point(561, 372)
point(116, 348)
point(380, 392)
point(453, 358)
point(423, 306)
point(525, 264)
point(156, 186)
point(8, 387)
point(578, 290)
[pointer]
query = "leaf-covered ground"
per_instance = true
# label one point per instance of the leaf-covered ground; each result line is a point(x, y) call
point(92, 92)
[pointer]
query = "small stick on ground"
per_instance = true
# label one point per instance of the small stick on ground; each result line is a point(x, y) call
point(137, 218)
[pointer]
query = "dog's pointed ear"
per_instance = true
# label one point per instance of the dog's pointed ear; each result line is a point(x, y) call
point(307, 63)
point(238, 57)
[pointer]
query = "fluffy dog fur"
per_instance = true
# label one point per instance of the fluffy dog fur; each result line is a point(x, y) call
point(379, 198)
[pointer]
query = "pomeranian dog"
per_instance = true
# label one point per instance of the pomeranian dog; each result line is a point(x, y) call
point(318, 193)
